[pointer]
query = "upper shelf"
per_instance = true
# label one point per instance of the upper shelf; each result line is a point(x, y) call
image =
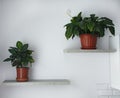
point(38, 82)
point(89, 51)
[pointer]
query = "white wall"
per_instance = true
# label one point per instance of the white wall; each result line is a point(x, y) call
point(40, 23)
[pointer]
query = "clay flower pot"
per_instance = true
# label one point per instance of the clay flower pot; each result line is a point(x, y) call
point(22, 74)
point(88, 41)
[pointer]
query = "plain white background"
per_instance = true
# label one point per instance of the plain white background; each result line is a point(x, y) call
point(41, 24)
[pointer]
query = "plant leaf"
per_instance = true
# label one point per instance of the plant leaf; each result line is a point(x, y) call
point(19, 45)
point(107, 21)
point(68, 34)
point(7, 59)
point(112, 30)
point(25, 47)
point(90, 26)
point(16, 63)
point(29, 52)
point(12, 51)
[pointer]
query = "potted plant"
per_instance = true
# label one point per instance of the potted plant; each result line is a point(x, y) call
point(22, 59)
point(88, 29)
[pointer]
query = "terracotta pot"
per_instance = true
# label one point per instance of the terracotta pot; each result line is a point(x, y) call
point(22, 74)
point(88, 41)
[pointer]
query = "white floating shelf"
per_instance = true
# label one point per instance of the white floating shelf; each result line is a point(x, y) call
point(38, 82)
point(89, 51)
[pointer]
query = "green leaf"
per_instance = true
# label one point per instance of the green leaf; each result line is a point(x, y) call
point(92, 15)
point(29, 52)
point(68, 34)
point(112, 30)
point(19, 45)
point(31, 59)
point(25, 63)
point(75, 32)
point(107, 21)
point(12, 51)
point(67, 25)
point(25, 47)
point(74, 19)
point(79, 15)
point(100, 31)
point(90, 26)
point(69, 31)
point(6, 60)
point(82, 25)
point(16, 63)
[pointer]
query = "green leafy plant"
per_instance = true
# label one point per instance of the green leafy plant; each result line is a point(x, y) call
point(88, 25)
point(20, 55)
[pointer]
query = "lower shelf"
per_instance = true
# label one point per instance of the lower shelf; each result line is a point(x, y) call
point(89, 51)
point(38, 82)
